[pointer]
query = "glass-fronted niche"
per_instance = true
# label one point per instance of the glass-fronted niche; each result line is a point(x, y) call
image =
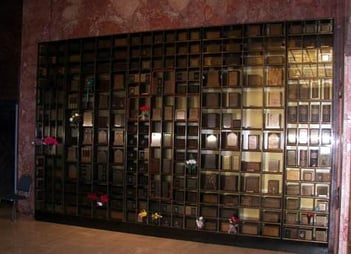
point(222, 129)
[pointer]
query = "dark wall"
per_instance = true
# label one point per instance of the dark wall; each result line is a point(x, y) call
point(10, 44)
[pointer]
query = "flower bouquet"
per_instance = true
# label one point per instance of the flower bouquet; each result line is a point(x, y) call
point(100, 200)
point(144, 112)
point(191, 166)
point(75, 120)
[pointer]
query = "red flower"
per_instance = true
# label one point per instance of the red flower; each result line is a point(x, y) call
point(50, 141)
point(92, 196)
point(234, 219)
point(104, 198)
point(309, 215)
point(144, 108)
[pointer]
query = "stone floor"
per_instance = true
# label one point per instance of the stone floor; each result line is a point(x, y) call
point(27, 236)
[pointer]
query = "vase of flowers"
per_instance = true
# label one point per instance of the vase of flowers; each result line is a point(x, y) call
point(144, 112)
point(310, 218)
point(50, 143)
point(100, 200)
point(191, 166)
point(75, 120)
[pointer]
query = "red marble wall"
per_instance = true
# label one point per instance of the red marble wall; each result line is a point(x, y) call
point(55, 20)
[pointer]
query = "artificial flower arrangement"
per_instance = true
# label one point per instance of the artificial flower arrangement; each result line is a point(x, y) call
point(191, 165)
point(233, 224)
point(309, 216)
point(100, 200)
point(50, 141)
point(156, 217)
point(75, 120)
point(200, 223)
point(141, 215)
point(144, 111)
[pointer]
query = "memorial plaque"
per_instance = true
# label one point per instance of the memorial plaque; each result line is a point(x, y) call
point(234, 100)
point(88, 119)
point(87, 136)
point(326, 109)
point(212, 100)
point(303, 136)
point(103, 101)
point(315, 90)
point(167, 139)
point(304, 91)
point(155, 139)
point(293, 175)
point(275, 76)
point(303, 113)
point(210, 182)
point(118, 156)
point(274, 99)
point(271, 230)
point(274, 141)
point(273, 186)
point(212, 79)
point(211, 142)
point(233, 78)
point(274, 165)
point(229, 183)
point(118, 83)
point(168, 113)
point(314, 113)
point(314, 136)
point(210, 161)
point(102, 137)
point(86, 154)
point(252, 184)
point(180, 114)
point(314, 158)
point(307, 176)
point(226, 162)
point(292, 114)
point(292, 189)
point(227, 119)
point(119, 120)
point(291, 160)
point(156, 114)
point(326, 136)
point(71, 154)
point(102, 156)
point(326, 91)
point(72, 101)
point(212, 119)
point(292, 136)
point(307, 190)
point(253, 142)
point(303, 158)
point(251, 166)
point(118, 139)
point(232, 140)
point(292, 91)
point(235, 162)
point(194, 114)
point(254, 80)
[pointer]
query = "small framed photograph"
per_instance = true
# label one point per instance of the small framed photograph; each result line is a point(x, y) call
point(253, 142)
point(292, 136)
point(273, 141)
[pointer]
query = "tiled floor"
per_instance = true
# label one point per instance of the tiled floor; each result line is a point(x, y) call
point(27, 236)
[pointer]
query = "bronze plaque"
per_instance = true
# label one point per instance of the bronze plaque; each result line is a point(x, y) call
point(252, 184)
point(273, 186)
